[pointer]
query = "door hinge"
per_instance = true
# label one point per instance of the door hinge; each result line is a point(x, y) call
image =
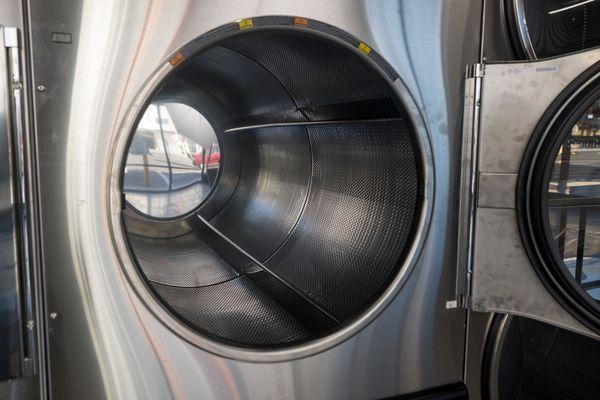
point(11, 37)
point(468, 184)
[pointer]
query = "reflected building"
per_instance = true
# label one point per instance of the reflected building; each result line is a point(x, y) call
point(172, 162)
point(574, 200)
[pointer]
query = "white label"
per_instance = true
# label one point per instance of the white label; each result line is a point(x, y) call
point(531, 70)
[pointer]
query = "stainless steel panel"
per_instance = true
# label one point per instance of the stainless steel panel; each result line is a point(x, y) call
point(101, 332)
point(22, 388)
point(10, 13)
point(13, 42)
point(515, 95)
point(11, 346)
point(503, 278)
point(19, 324)
point(497, 190)
point(467, 184)
point(514, 98)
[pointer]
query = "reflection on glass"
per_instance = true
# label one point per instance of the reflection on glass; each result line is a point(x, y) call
point(561, 26)
point(172, 162)
point(574, 201)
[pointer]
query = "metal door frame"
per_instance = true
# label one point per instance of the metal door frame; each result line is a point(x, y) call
point(504, 103)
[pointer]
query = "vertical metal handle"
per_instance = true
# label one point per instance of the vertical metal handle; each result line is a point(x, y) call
point(16, 143)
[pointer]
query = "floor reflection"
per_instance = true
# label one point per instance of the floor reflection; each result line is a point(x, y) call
point(167, 204)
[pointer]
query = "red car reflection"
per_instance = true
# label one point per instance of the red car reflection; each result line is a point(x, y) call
point(208, 159)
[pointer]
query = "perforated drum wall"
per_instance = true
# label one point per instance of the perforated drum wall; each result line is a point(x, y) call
point(317, 199)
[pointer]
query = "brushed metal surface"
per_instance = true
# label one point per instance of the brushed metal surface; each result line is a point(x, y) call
point(13, 40)
point(184, 261)
point(271, 191)
point(17, 287)
point(514, 98)
point(20, 389)
point(11, 345)
point(359, 216)
point(103, 334)
point(11, 14)
point(515, 95)
point(503, 278)
point(497, 190)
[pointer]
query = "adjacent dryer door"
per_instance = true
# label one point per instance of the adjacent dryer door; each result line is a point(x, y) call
point(530, 233)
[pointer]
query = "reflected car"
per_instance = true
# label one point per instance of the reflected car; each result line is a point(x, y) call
point(197, 159)
point(214, 157)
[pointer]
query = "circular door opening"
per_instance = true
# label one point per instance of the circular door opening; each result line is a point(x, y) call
point(559, 204)
point(528, 359)
point(312, 218)
point(547, 28)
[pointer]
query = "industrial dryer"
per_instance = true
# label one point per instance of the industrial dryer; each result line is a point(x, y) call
point(210, 199)
point(243, 199)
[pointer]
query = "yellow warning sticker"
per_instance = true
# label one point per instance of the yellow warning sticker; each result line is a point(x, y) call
point(246, 23)
point(303, 22)
point(176, 59)
point(364, 48)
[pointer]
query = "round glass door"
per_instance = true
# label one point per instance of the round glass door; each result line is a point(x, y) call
point(574, 201)
point(558, 199)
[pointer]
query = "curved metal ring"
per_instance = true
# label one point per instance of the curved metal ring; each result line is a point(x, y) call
point(119, 150)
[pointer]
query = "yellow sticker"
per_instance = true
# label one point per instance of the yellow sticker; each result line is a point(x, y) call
point(303, 22)
point(176, 59)
point(246, 23)
point(364, 48)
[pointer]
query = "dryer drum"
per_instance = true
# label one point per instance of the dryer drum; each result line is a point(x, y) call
point(314, 202)
point(524, 358)
point(548, 28)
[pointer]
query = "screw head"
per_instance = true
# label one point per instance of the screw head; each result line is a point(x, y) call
point(53, 315)
point(41, 88)
point(30, 324)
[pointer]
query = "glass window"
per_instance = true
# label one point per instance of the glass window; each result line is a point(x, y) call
point(574, 201)
point(171, 166)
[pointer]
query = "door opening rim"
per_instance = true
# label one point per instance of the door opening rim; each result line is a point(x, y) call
point(119, 145)
point(529, 210)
